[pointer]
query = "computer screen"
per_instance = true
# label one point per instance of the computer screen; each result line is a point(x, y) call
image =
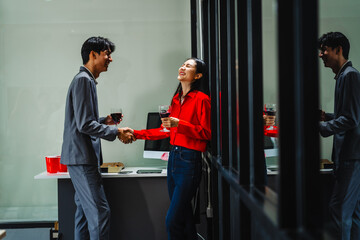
point(271, 153)
point(155, 148)
point(270, 146)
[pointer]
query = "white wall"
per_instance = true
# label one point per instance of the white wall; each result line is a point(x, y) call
point(40, 44)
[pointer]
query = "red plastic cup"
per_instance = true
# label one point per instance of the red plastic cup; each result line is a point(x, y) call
point(52, 164)
point(62, 167)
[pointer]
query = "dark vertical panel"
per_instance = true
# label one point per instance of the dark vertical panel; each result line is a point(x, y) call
point(205, 86)
point(250, 86)
point(255, 89)
point(243, 97)
point(224, 214)
point(236, 113)
point(311, 192)
point(243, 128)
point(215, 203)
point(224, 188)
point(234, 215)
point(224, 103)
point(205, 32)
point(215, 109)
point(224, 208)
point(287, 198)
point(299, 200)
point(245, 222)
point(231, 82)
point(193, 17)
point(213, 77)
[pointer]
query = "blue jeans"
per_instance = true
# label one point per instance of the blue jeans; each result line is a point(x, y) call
point(183, 178)
point(92, 216)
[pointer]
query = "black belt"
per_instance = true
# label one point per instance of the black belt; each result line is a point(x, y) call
point(179, 148)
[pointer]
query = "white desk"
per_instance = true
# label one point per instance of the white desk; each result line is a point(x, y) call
point(138, 203)
point(46, 175)
point(271, 172)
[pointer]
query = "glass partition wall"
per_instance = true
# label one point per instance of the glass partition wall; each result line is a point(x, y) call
point(243, 76)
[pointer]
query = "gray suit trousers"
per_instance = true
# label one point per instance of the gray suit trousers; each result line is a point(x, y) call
point(345, 200)
point(92, 216)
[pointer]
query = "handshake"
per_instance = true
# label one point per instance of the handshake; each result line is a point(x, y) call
point(126, 135)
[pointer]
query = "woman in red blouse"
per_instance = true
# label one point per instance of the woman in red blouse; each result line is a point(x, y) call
point(190, 131)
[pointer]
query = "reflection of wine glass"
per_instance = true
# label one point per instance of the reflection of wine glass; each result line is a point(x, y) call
point(270, 111)
point(164, 111)
point(116, 114)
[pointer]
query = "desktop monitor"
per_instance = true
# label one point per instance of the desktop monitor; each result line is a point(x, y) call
point(270, 146)
point(271, 153)
point(155, 148)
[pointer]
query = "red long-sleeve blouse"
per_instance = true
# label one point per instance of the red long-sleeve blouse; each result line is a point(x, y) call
point(271, 132)
point(193, 131)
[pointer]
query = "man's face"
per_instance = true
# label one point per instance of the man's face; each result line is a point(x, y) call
point(329, 56)
point(103, 60)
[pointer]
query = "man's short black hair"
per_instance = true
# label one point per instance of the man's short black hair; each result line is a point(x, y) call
point(334, 40)
point(96, 44)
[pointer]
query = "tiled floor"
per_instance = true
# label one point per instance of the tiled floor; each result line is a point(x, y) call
point(28, 234)
point(9, 215)
point(26, 214)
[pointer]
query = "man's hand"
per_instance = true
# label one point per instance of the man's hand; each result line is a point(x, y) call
point(170, 122)
point(110, 121)
point(126, 135)
point(322, 115)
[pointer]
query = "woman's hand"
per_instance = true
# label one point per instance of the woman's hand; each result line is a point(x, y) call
point(170, 122)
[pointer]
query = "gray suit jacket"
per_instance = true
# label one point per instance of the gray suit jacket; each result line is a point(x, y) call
point(83, 128)
point(344, 123)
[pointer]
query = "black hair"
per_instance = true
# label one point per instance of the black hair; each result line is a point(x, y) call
point(96, 44)
point(334, 40)
point(199, 84)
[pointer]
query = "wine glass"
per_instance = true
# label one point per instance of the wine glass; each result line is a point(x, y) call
point(164, 111)
point(270, 111)
point(116, 115)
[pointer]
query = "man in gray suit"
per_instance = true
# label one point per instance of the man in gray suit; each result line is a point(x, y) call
point(344, 124)
point(81, 149)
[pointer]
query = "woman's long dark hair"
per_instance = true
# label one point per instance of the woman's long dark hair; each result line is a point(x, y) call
point(199, 84)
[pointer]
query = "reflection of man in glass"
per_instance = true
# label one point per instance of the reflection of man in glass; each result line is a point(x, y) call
point(344, 124)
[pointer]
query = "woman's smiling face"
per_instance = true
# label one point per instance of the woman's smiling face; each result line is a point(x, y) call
point(187, 71)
